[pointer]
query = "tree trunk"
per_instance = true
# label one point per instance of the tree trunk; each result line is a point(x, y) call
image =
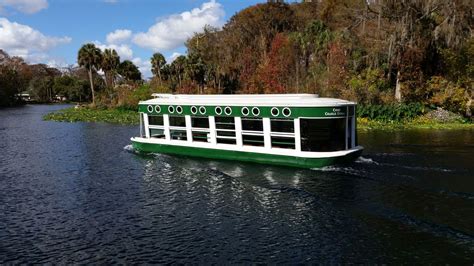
point(398, 91)
point(297, 75)
point(107, 79)
point(92, 86)
point(159, 76)
point(468, 108)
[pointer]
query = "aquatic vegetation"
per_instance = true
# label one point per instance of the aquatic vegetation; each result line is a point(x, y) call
point(86, 114)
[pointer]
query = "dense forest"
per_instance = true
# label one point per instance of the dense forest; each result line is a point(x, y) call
point(375, 52)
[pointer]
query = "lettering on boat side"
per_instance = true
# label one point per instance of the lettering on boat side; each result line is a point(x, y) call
point(335, 112)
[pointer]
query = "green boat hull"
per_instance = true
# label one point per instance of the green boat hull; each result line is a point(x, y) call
point(281, 160)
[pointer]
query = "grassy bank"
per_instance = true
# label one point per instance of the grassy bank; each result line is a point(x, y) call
point(84, 114)
point(130, 117)
point(417, 123)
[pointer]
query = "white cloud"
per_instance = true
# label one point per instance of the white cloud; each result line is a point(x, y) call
point(22, 40)
point(173, 57)
point(24, 6)
point(123, 50)
point(144, 66)
point(119, 36)
point(172, 31)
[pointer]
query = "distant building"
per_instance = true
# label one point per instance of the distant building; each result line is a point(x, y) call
point(25, 97)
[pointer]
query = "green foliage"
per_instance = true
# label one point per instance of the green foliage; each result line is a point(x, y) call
point(391, 112)
point(89, 56)
point(443, 93)
point(110, 64)
point(368, 87)
point(71, 87)
point(9, 79)
point(83, 114)
point(129, 71)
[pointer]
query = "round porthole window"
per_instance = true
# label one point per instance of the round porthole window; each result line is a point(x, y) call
point(179, 109)
point(194, 110)
point(286, 111)
point(202, 110)
point(157, 108)
point(275, 111)
point(228, 110)
point(245, 111)
point(218, 110)
point(170, 109)
point(149, 108)
point(255, 111)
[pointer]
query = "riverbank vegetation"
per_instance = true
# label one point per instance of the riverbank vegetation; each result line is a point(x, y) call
point(398, 59)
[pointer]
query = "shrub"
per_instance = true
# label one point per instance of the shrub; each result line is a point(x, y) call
point(368, 87)
point(391, 112)
point(440, 92)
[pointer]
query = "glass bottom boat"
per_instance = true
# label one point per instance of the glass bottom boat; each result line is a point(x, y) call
point(298, 130)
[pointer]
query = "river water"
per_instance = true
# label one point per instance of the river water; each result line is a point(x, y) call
point(77, 193)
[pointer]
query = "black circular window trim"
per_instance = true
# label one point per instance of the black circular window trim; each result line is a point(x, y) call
point(253, 111)
point(216, 110)
point(245, 108)
point(228, 108)
point(277, 111)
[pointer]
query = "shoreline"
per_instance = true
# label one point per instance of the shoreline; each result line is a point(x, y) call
point(130, 117)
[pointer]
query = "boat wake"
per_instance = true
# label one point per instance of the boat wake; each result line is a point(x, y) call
point(366, 160)
point(129, 148)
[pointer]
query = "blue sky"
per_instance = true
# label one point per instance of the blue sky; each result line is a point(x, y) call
point(52, 31)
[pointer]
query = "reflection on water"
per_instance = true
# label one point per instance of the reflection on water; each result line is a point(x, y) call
point(79, 193)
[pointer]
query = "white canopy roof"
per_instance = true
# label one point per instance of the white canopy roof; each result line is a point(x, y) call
point(312, 100)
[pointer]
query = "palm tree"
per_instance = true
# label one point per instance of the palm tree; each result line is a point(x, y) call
point(90, 57)
point(129, 71)
point(110, 63)
point(178, 67)
point(157, 63)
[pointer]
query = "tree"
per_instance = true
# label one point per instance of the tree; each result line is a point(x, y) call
point(90, 57)
point(110, 64)
point(8, 80)
point(177, 68)
point(129, 71)
point(157, 63)
point(196, 70)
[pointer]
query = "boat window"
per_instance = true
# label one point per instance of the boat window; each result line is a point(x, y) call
point(225, 122)
point(282, 133)
point(201, 136)
point(155, 120)
point(282, 125)
point(200, 122)
point(323, 134)
point(252, 132)
point(253, 140)
point(177, 121)
point(283, 142)
point(177, 134)
point(226, 141)
point(200, 129)
point(157, 133)
point(252, 124)
point(349, 133)
point(225, 130)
